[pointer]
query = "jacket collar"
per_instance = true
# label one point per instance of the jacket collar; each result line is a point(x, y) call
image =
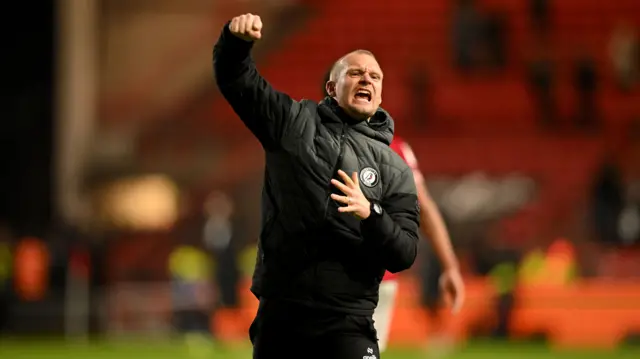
point(380, 127)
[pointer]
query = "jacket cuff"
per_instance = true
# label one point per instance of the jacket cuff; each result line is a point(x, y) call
point(376, 227)
point(235, 42)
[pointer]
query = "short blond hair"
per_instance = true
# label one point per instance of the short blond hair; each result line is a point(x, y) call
point(338, 66)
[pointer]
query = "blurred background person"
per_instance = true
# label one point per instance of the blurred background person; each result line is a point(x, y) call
point(540, 16)
point(608, 200)
point(192, 294)
point(218, 236)
point(586, 82)
point(494, 40)
point(442, 262)
point(624, 51)
point(420, 87)
point(465, 34)
point(542, 84)
point(191, 270)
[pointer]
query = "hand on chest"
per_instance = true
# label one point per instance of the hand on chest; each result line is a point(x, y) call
point(367, 169)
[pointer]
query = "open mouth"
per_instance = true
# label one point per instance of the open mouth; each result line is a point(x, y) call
point(363, 94)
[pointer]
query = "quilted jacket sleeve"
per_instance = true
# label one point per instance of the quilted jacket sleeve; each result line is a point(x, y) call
point(265, 111)
point(395, 232)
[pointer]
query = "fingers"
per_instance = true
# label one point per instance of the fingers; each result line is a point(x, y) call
point(254, 27)
point(458, 300)
point(453, 292)
point(341, 199)
point(341, 186)
point(255, 35)
point(348, 209)
point(347, 180)
point(447, 298)
point(354, 200)
point(242, 24)
point(246, 23)
point(234, 25)
point(247, 26)
point(257, 23)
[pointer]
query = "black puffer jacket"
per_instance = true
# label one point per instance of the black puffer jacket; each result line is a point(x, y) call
point(309, 253)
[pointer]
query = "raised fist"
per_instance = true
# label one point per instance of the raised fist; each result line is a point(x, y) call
point(248, 27)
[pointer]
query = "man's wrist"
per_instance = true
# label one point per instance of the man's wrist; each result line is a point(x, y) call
point(375, 212)
point(375, 209)
point(451, 264)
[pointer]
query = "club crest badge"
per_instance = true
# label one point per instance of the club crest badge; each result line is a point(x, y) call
point(369, 177)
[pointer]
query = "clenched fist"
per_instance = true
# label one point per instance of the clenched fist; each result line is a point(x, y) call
point(248, 27)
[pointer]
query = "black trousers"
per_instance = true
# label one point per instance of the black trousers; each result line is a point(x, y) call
point(283, 330)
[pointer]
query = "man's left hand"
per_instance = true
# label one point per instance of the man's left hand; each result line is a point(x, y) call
point(452, 287)
point(355, 201)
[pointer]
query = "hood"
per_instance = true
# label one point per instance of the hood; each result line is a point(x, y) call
point(380, 127)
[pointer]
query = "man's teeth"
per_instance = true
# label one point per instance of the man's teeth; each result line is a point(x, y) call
point(365, 94)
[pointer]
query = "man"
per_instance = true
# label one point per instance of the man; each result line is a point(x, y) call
point(327, 237)
point(434, 229)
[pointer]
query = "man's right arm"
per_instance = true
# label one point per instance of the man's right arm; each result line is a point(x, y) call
point(265, 111)
point(396, 229)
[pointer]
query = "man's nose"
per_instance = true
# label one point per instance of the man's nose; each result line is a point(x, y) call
point(365, 79)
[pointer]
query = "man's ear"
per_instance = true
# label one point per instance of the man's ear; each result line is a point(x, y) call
point(330, 88)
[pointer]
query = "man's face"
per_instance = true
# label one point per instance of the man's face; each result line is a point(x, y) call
point(358, 86)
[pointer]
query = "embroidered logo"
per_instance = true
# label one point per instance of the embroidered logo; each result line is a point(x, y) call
point(369, 177)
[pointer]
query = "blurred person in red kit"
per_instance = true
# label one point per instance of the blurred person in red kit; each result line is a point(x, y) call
point(340, 208)
point(450, 284)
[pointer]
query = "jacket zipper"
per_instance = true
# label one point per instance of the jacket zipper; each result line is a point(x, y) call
point(336, 167)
